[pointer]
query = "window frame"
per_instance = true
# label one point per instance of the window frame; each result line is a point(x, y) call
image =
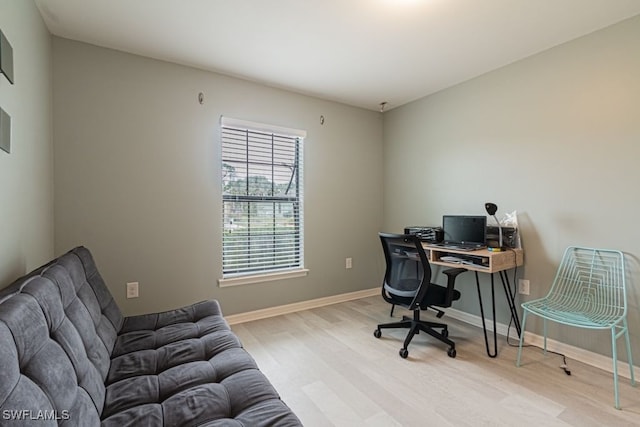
point(248, 274)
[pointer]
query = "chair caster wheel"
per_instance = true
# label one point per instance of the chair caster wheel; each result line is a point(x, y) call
point(404, 353)
point(377, 333)
point(451, 352)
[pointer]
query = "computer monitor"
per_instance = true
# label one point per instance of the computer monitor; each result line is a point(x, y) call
point(465, 229)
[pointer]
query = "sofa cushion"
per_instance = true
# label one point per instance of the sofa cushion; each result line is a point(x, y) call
point(186, 367)
point(45, 371)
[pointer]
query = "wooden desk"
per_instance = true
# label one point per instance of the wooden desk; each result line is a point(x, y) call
point(494, 261)
point(490, 262)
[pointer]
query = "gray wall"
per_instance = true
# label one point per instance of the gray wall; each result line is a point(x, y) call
point(26, 175)
point(137, 179)
point(555, 137)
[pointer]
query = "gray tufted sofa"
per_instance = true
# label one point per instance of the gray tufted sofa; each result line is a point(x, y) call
point(69, 357)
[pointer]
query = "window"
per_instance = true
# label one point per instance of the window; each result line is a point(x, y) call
point(262, 195)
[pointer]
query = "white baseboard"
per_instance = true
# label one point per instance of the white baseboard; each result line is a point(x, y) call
point(587, 357)
point(474, 320)
point(299, 306)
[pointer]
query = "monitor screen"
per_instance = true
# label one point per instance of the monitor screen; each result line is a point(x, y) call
point(465, 229)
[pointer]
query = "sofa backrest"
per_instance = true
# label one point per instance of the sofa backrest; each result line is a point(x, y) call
point(58, 326)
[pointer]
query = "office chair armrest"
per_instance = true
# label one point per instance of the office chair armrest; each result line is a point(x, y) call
point(452, 274)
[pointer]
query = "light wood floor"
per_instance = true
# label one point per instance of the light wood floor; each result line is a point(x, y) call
point(330, 369)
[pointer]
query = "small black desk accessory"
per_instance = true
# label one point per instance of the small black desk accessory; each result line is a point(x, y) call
point(492, 208)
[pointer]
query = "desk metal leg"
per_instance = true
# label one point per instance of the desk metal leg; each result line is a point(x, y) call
point(484, 325)
point(512, 307)
point(511, 300)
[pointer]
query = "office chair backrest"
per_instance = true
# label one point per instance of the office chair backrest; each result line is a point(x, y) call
point(408, 272)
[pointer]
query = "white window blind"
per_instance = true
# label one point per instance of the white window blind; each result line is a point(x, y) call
point(262, 198)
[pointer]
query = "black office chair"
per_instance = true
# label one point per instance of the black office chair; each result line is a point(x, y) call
point(410, 286)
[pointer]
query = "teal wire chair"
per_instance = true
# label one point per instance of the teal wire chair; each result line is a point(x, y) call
point(587, 292)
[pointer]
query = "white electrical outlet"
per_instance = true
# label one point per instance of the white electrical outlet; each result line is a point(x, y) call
point(348, 263)
point(132, 290)
point(523, 286)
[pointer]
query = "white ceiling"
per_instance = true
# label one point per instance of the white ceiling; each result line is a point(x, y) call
point(359, 52)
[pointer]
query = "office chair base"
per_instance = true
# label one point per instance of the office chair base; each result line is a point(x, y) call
point(415, 326)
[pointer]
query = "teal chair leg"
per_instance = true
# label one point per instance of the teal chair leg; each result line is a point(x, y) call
point(614, 350)
point(544, 327)
point(524, 321)
point(629, 357)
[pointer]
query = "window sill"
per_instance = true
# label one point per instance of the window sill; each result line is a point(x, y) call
point(258, 278)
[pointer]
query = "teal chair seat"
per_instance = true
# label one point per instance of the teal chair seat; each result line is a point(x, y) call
point(588, 291)
point(583, 315)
